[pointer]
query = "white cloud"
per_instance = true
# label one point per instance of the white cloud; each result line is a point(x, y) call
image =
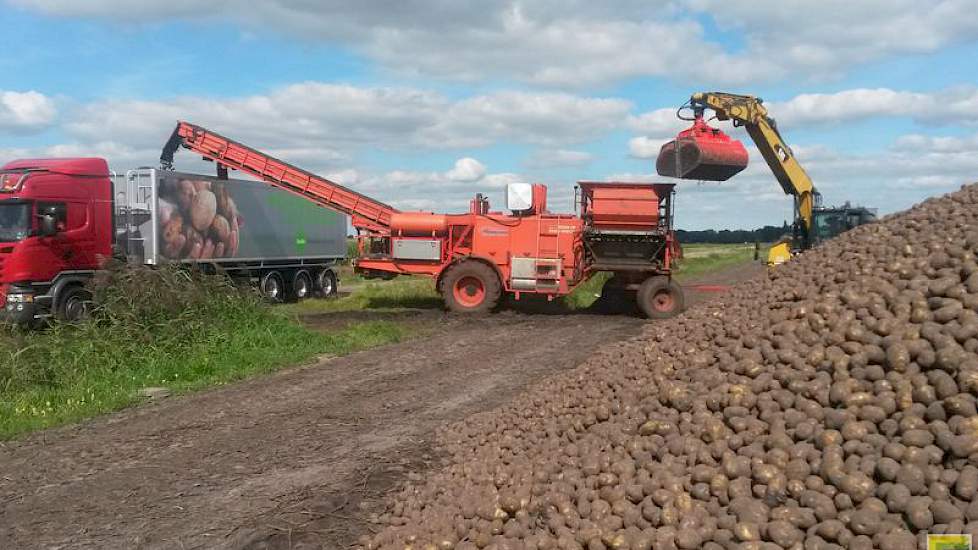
point(952, 105)
point(542, 118)
point(644, 147)
point(555, 158)
point(831, 36)
point(466, 169)
point(334, 119)
point(579, 43)
point(24, 112)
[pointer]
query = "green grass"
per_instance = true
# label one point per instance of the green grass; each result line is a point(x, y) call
point(700, 259)
point(399, 293)
point(196, 333)
point(585, 295)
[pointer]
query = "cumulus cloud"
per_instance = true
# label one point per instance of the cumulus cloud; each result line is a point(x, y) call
point(334, 119)
point(957, 105)
point(643, 147)
point(25, 112)
point(467, 169)
point(581, 43)
point(556, 158)
point(831, 36)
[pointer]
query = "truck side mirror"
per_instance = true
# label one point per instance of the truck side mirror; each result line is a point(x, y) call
point(49, 226)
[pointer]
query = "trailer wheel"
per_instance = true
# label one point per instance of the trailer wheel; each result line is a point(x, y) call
point(74, 304)
point(470, 287)
point(271, 287)
point(660, 298)
point(326, 283)
point(301, 286)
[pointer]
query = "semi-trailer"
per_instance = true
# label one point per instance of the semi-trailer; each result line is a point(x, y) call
point(61, 220)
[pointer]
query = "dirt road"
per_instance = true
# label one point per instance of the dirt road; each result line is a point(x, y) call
point(296, 459)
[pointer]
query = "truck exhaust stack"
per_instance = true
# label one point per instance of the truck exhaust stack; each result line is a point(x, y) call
point(701, 152)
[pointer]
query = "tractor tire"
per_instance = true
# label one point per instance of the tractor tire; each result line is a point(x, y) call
point(470, 287)
point(660, 297)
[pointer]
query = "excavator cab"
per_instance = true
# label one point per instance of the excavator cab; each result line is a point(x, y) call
point(701, 152)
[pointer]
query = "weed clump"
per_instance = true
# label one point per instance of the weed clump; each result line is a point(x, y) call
point(150, 327)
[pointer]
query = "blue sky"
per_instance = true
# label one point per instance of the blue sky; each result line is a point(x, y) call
point(428, 102)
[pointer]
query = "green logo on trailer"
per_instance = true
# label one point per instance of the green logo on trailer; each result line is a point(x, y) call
point(300, 242)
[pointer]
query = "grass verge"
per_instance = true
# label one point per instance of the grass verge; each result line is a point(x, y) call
point(400, 293)
point(699, 260)
point(165, 328)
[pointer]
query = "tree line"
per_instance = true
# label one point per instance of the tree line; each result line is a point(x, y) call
point(766, 234)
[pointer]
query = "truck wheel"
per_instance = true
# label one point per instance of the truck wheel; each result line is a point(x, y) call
point(74, 304)
point(271, 287)
point(470, 287)
point(301, 286)
point(326, 283)
point(660, 298)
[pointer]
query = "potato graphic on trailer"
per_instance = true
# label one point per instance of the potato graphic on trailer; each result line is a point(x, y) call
point(206, 219)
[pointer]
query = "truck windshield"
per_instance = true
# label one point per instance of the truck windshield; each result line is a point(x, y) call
point(15, 220)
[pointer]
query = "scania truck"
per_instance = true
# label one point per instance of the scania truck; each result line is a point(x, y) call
point(61, 220)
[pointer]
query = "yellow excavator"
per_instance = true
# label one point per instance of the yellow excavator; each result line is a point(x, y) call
point(705, 153)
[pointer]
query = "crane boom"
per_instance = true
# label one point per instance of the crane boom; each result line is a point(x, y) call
point(749, 112)
point(365, 213)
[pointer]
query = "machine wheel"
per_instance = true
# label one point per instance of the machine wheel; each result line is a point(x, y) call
point(272, 287)
point(74, 304)
point(301, 287)
point(660, 298)
point(326, 283)
point(471, 287)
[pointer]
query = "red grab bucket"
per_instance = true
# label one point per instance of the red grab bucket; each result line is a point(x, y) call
point(701, 152)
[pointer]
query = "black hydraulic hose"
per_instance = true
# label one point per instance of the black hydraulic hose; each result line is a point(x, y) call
point(171, 146)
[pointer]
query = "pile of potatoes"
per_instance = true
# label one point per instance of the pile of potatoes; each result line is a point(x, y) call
point(828, 404)
point(199, 220)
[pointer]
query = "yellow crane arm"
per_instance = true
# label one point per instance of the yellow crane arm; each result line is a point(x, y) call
point(749, 112)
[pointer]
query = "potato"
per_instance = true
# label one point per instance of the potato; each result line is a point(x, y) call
point(207, 252)
point(202, 210)
point(220, 229)
point(829, 404)
point(184, 194)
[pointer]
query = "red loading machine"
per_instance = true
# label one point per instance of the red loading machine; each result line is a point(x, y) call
point(623, 228)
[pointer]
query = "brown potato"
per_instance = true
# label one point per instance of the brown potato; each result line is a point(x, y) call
point(220, 229)
point(202, 210)
point(184, 194)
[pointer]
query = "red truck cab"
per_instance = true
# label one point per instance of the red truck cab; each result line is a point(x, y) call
point(56, 230)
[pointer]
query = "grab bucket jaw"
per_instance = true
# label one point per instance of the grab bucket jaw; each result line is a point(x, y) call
point(701, 152)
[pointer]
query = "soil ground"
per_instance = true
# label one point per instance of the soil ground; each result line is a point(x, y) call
point(295, 459)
